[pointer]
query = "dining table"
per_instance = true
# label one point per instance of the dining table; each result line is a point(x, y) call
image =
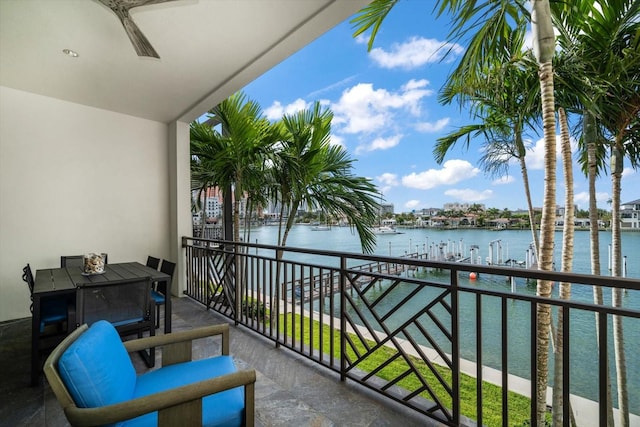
point(60, 282)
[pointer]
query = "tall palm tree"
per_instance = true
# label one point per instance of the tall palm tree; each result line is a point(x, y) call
point(488, 21)
point(239, 152)
point(311, 172)
point(503, 100)
point(566, 267)
point(234, 158)
point(604, 41)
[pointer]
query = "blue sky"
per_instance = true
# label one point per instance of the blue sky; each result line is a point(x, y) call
point(387, 116)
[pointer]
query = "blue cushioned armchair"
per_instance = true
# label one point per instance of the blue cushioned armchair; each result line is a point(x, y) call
point(93, 378)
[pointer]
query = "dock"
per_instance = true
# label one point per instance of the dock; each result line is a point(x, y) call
point(310, 288)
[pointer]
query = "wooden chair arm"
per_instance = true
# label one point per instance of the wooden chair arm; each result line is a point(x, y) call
point(182, 336)
point(166, 399)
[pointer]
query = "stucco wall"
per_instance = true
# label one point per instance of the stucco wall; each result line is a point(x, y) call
point(76, 179)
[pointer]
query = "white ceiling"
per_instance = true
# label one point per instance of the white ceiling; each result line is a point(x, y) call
point(208, 50)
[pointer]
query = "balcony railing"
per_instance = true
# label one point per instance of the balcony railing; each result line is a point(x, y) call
point(424, 333)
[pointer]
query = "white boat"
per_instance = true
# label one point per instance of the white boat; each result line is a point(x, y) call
point(320, 228)
point(385, 229)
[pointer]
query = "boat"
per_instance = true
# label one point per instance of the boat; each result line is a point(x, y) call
point(385, 229)
point(320, 228)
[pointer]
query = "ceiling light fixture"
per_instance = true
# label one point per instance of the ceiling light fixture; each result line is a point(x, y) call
point(71, 53)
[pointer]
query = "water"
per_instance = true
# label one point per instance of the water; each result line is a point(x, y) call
point(584, 369)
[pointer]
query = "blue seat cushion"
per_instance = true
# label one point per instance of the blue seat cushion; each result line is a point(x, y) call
point(220, 409)
point(157, 297)
point(96, 368)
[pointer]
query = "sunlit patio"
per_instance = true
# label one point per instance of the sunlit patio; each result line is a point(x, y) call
point(290, 391)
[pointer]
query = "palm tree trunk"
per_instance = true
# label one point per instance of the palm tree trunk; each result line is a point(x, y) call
point(203, 221)
point(589, 135)
point(532, 215)
point(544, 47)
point(616, 293)
point(567, 266)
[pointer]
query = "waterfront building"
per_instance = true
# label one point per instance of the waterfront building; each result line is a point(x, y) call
point(463, 207)
point(630, 215)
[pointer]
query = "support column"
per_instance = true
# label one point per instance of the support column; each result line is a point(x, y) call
point(179, 199)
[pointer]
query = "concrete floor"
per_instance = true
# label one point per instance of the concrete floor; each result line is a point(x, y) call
point(290, 390)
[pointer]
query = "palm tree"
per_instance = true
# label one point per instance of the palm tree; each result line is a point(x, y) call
point(311, 172)
point(490, 23)
point(604, 42)
point(504, 101)
point(233, 158)
point(239, 153)
point(567, 267)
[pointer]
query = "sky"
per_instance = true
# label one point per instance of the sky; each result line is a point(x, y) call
point(387, 116)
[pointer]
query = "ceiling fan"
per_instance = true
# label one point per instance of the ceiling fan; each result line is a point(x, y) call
point(121, 9)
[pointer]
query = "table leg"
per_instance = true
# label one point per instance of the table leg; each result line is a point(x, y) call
point(167, 312)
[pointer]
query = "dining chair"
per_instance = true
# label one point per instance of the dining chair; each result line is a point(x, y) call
point(76, 260)
point(159, 294)
point(71, 261)
point(53, 311)
point(153, 262)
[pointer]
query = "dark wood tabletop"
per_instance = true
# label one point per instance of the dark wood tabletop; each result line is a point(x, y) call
point(55, 280)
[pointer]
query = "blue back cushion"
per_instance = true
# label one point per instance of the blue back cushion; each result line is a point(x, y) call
point(96, 368)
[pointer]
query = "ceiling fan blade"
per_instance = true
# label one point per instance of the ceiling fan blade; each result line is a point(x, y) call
point(140, 42)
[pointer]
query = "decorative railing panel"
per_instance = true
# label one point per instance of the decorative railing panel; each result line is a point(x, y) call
point(420, 332)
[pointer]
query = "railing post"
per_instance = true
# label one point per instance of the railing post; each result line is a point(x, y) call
point(236, 282)
point(455, 348)
point(343, 319)
point(280, 296)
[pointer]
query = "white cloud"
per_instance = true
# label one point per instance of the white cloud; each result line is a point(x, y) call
point(582, 199)
point(535, 155)
point(379, 144)
point(362, 39)
point(627, 172)
point(414, 53)
point(411, 204)
point(362, 108)
point(431, 127)
point(336, 140)
point(387, 178)
point(452, 172)
point(469, 195)
point(277, 110)
point(508, 179)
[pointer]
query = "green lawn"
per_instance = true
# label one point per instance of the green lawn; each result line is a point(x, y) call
point(519, 406)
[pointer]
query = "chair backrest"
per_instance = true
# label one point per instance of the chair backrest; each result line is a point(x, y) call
point(77, 260)
point(169, 268)
point(71, 261)
point(95, 368)
point(122, 303)
point(153, 262)
point(27, 276)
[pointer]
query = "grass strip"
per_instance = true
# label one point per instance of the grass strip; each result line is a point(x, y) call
point(519, 405)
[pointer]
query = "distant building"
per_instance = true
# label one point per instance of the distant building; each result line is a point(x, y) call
point(630, 214)
point(463, 207)
point(430, 211)
point(386, 208)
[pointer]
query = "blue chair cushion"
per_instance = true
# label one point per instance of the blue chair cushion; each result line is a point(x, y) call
point(157, 297)
point(220, 409)
point(97, 369)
